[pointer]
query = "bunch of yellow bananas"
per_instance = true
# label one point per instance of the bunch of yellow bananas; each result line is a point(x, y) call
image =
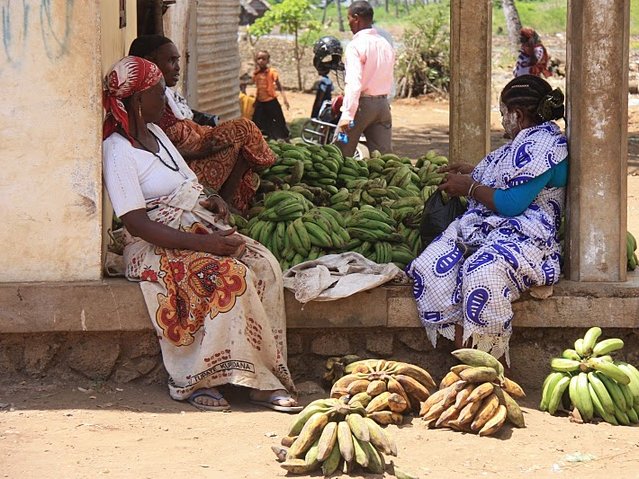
point(387, 389)
point(332, 435)
point(474, 396)
point(589, 381)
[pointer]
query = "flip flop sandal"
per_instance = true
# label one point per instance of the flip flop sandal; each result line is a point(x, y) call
point(208, 393)
point(276, 407)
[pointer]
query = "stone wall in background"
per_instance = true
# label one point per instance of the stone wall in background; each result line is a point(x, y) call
point(88, 358)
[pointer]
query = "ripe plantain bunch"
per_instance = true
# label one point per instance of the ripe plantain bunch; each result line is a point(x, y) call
point(387, 389)
point(588, 380)
point(335, 368)
point(474, 396)
point(332, 435)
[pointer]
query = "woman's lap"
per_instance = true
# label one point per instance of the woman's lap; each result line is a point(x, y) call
point(476, 291)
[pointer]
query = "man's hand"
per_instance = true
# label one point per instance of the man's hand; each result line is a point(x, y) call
point(216, 205)
point(344, 125)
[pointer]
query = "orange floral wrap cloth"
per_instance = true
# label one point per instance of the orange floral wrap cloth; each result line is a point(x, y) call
point(246, 142)
point(220, 320)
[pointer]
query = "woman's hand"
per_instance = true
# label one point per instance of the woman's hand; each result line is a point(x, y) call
point(455, 184)
point(457, 167)
point(214, 146)
point(216, 205)
point(224, 243)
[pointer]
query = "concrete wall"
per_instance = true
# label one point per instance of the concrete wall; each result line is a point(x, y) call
point(115, 42)
point(50, 132)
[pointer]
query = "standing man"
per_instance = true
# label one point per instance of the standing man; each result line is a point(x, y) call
point(369, 61)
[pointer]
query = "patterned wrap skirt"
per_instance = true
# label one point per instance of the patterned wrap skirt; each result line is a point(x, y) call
point(219, 320)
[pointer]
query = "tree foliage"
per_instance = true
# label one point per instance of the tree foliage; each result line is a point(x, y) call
point(290, 17)
point(423, 66)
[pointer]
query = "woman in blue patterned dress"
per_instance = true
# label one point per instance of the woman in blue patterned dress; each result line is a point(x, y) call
point(507, 240)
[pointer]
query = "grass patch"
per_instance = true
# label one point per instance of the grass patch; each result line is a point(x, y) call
point(546, 16)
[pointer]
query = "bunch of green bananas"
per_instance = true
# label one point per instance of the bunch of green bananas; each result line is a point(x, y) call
point(374, 235)
point(385, 188)
point(474, 396)
point(331, 435)
point(631, 248)
point(294, 230)
point(592, 382)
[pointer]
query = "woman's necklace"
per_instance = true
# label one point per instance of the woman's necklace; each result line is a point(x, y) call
point(175, 166)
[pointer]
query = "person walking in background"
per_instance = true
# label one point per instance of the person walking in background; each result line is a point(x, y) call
point(369, 61)
point(247, 102)
point(533, 56)
point(268, 115)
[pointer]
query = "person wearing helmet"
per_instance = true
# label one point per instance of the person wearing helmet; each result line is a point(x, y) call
point(369, 81)
point(327, 56)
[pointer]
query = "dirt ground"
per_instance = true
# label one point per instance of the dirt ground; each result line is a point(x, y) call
point(136, 431)
point(73, 431)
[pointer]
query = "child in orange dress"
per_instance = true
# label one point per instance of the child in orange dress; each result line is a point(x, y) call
point(268, 114)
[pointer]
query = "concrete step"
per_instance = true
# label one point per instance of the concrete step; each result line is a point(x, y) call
point(118, 305)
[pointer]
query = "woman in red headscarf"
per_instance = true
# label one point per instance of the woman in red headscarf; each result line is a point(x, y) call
point(533, 57)
point(214, 296)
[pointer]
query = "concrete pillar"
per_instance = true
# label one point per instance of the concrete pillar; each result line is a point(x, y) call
point(470, 59)
point(597, 93)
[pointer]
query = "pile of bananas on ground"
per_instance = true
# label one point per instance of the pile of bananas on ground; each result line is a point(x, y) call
point(631, 248)
point(335, 367)
point(377, 204)
point(474, 396)
point(588, 380)
point(331, 435)
point(388, 390)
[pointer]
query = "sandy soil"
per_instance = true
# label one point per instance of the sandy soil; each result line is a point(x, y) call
point(86, 431)
point(138, 432)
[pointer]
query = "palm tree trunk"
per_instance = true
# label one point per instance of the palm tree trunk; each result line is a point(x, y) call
point(513, 23)
point(297, 62)
point(339, 15)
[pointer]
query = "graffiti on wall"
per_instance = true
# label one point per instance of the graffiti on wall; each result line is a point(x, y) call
point(25, 22)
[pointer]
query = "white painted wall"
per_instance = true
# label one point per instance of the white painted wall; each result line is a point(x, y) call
point(50, 140)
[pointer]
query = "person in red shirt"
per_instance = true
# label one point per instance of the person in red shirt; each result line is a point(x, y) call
point(533, 56)
point(268, 115)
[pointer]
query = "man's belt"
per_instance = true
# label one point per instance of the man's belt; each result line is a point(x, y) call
point(364, 95)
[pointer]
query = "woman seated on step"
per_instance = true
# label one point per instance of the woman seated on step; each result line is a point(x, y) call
point(215, 297)
point(224, 157)
point(507, 241)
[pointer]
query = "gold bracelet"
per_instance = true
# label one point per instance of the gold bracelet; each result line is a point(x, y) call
point(473, 187)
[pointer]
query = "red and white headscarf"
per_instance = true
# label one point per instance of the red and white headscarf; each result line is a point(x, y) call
point(128, 76)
